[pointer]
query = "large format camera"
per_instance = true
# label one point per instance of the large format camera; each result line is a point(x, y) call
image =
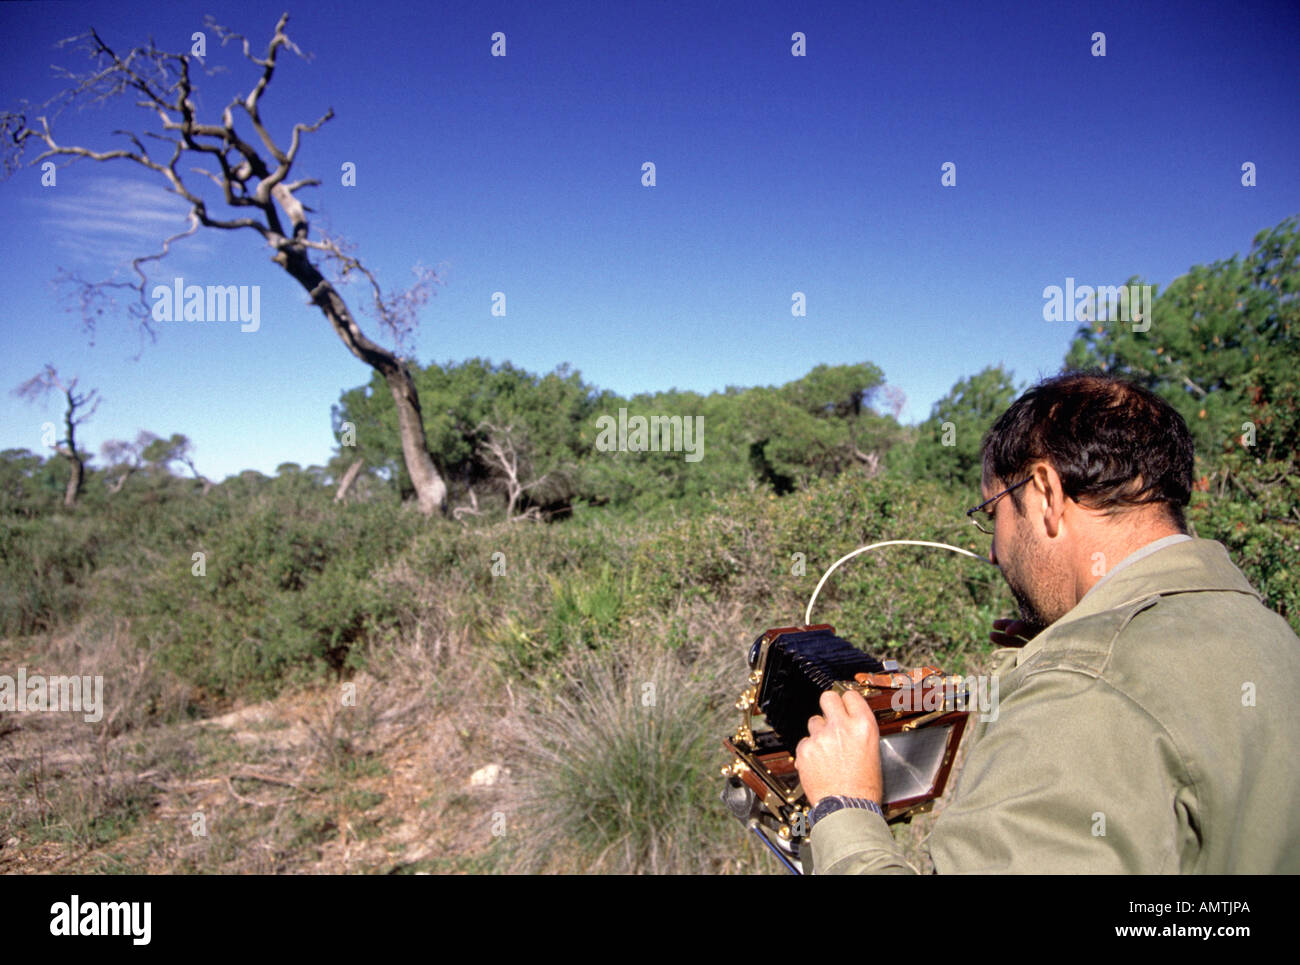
point(916, 711)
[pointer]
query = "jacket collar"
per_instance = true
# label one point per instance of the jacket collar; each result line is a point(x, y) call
point(1193, 566)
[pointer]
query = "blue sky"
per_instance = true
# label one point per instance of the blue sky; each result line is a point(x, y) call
point(775, 174)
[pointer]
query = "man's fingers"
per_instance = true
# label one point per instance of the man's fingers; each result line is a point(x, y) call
point(856, 705)
point(1013, 633)
point(840, 754)
point(839, 712)
point(832, 706)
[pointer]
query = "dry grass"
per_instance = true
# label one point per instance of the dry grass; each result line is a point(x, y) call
point(305, 783)
point(372, 774)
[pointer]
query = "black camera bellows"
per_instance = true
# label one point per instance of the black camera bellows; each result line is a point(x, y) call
point(800, 666)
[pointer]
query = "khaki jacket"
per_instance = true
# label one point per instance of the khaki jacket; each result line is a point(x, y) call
point(1152, 729)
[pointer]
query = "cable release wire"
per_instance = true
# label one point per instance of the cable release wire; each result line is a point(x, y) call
point(807, 616)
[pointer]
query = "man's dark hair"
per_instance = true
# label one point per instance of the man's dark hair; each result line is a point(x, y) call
point(1114, 444)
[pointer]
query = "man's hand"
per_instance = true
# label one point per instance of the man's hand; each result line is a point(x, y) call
point(1013, 633)
point(841, 754)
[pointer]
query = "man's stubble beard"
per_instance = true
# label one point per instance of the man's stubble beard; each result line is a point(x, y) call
point(1028, 612)
point(1037, 580)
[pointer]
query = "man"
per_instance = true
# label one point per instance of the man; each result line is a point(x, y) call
point(1152, 727)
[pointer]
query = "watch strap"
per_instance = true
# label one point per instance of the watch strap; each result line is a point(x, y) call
point(838, 802)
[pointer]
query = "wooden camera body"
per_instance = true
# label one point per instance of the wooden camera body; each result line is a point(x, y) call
point(917, 712)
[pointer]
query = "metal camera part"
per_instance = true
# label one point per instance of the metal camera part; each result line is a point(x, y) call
point(920, 714)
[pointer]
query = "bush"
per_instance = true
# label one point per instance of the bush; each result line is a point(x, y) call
point(1250, 507)
point(621, 770)
point(767, 555)
point(287, 594)
point(44, 564)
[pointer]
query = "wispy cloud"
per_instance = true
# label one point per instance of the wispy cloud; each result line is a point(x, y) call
point(106, 221)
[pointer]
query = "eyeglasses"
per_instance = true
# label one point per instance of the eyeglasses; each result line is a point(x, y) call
point(970, 513)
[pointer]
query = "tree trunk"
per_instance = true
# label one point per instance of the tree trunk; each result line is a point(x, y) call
point(348, 478)
point(430, 489)
point(75, 480)
point(115, 487)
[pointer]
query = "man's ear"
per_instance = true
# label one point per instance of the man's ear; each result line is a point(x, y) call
point(1048, 495)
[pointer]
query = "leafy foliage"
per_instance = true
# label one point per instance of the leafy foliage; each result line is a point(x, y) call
point(1222, 349)
point(782, 438)
point(947, 446)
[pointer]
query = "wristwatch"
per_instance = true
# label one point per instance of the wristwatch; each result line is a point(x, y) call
point(829, 805)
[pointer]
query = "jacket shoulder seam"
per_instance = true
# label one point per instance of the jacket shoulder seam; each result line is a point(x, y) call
point(1064, 661)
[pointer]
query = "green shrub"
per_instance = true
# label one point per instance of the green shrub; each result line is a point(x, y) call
point(584, 610)
point(621, 770)
point(287, 594)
point(767, 554)
point(1251, 508)
point(44, 564)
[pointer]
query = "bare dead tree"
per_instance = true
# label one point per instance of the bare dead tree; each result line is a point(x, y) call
point(895, 400)
point(38, 387)
point(163, 452)
point(254, 184)
point(123, 464)
point(508, 460)
point(870, 461)
point(460, 512)
point(125, 459)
